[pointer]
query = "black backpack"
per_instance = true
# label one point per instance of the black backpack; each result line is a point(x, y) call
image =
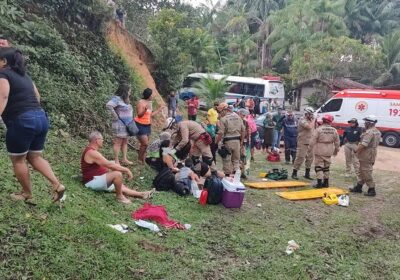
point(165, 180)
point(215, 189)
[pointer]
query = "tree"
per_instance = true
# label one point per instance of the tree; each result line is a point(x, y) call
point(368, 19)
point(171, 59)
point(211, 89)
point(258, 17)
point(391, 50)
point(337, 57)
point(301, 23)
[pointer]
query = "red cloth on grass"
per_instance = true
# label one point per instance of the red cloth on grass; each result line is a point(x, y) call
point(158, 214)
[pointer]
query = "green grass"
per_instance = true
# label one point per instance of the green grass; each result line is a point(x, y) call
point(46, 242)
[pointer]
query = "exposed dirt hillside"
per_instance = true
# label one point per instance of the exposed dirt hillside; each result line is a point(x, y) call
point(139, 58)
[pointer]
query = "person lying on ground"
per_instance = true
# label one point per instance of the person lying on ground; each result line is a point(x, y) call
point(186, 172)
point(100, 174)
point(204, 171)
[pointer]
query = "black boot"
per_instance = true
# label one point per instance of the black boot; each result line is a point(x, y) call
point(318, 185)
point(307, 175)
point(356, 189)
point(294, 174)
point(371, 192)
point(326, 183)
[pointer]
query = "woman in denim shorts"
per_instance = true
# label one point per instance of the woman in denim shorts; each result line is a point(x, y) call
point(26, 123)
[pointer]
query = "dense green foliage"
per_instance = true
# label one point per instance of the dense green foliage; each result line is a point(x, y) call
point(68, 58)
point(273, 36)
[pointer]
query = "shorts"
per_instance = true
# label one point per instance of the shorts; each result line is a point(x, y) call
point(144, 129)
point(27, 133)
point(99, 183)
point(253, 139)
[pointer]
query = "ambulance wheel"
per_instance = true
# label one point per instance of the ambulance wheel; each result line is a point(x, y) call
point(391, 139)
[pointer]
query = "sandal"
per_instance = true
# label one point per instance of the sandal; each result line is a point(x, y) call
point(149, 194)
point(126, 162)
point(124, 200)
point(21, 196)
point(58, 194)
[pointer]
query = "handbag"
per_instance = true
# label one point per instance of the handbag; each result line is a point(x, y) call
point(131, 127)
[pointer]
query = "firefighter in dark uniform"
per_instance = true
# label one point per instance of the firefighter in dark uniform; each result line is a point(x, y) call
point(350, 140)
point(366, 152)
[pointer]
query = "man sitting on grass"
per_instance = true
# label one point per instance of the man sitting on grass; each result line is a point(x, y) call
point(100, 174)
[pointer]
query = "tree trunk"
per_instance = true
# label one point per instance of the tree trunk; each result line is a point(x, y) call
point(263, 53)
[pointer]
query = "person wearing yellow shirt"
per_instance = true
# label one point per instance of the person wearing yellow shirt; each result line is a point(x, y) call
point(212, 114)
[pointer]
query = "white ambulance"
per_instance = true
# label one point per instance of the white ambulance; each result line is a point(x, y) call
point(384, 104)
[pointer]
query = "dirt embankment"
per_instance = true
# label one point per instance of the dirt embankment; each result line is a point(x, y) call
point(138, 56)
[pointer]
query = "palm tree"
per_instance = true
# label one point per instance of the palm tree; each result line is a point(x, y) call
point(258, 15)
point(302, 22)
point(391, 49)
point(368, 19)
point(211, 89)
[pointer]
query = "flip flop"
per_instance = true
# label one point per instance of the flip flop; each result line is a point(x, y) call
point(124, 201)
point(149, 194)
point(58, 194)
point(19, 196)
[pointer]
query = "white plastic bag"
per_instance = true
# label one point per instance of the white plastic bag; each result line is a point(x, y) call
point(148, 225)
point(120, 227)
point(291, 247)
point(344, 200)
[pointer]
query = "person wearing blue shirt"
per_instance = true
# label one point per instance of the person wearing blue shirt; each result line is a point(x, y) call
point(290, 124)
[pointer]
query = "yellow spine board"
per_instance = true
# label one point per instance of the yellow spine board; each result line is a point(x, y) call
point(311, 194)
point(276, 184)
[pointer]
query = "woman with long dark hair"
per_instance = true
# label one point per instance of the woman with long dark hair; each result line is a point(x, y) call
point(26, 123)
point(144, 113)
point(122, 113)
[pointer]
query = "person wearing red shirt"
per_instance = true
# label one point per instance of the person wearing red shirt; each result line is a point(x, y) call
point(193, 106)
point(100, 174)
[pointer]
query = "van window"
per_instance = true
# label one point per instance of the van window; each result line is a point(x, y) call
point(247, 89)
point(253, 90)
point(332, 106)
point(189, 81)
point(235, 88)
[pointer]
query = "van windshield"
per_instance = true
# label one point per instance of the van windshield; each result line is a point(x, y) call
point(333, 105)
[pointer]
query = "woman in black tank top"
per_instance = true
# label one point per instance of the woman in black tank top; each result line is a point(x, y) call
point(26, 123)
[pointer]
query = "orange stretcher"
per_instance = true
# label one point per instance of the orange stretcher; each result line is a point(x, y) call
point(276, 184)
point(311, 194)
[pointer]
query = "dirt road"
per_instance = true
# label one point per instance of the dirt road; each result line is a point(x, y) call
point(388, 159)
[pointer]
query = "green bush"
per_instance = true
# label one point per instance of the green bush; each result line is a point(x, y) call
point(72, 65)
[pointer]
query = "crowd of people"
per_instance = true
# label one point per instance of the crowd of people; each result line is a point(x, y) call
point(186, 149)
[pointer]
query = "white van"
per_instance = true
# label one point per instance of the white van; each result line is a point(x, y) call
point(384, 104)
point(267, 87)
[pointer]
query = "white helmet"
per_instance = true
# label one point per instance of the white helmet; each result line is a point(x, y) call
point(309, 110)
point(370, 119)
point(168, 123)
